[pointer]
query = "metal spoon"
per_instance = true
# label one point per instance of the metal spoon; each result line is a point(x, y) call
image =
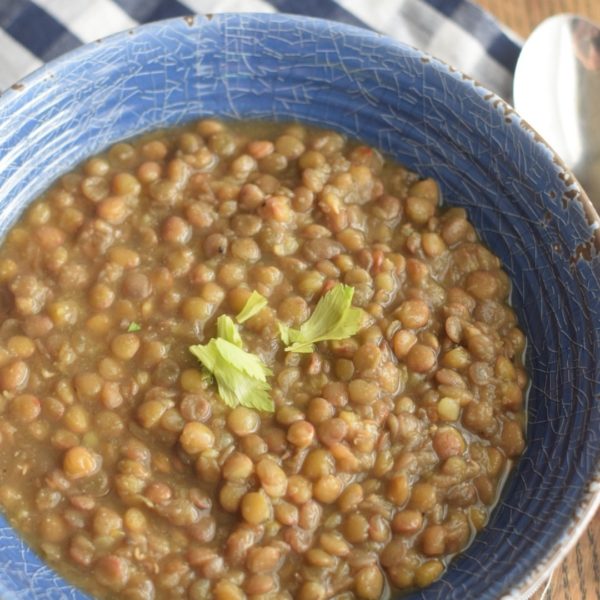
point(557, 90)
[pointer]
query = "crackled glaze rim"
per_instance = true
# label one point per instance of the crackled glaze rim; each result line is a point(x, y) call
point(590, 500)
point(590, 503)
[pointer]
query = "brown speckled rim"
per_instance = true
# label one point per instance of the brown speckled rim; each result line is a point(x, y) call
point(589, 505)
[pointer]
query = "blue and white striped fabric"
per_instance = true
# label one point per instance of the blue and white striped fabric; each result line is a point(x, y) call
point(457, 31)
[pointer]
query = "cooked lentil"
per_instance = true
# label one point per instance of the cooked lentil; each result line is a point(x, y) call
point(386, 451)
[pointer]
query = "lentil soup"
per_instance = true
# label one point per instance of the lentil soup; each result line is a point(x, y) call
point(124, 468)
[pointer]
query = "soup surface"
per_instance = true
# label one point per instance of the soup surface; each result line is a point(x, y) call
point(120, 461)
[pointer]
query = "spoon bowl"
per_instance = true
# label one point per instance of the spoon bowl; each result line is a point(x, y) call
point(557, 89)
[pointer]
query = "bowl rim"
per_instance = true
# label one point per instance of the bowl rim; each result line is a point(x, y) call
point(585, 510)
point(582, 514)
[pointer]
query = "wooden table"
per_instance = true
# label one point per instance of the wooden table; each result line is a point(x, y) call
point(578, 577)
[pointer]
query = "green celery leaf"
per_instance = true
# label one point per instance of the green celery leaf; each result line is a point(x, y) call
point(284, 332)
point(249, 363)
point(133, 327)
point(236, 387)
point(207, 354)
point(301, 347)
point(334, 318)
point(253, 306)
point(228, 330)
point(240, 376)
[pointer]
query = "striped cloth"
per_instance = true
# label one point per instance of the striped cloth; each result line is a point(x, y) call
point(457, 31)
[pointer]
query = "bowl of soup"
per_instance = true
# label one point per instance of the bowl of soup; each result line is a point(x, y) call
point(289, 311)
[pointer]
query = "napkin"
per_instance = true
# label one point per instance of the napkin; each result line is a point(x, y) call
point(457, 31)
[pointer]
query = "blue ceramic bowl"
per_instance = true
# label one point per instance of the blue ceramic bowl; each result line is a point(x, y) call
point(522, 200)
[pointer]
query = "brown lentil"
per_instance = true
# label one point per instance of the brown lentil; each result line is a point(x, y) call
point(301, 434)
point(255, 508)
point(196, 437)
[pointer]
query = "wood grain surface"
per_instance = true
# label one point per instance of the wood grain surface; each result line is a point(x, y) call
point(523, 15)
point(578, 577)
